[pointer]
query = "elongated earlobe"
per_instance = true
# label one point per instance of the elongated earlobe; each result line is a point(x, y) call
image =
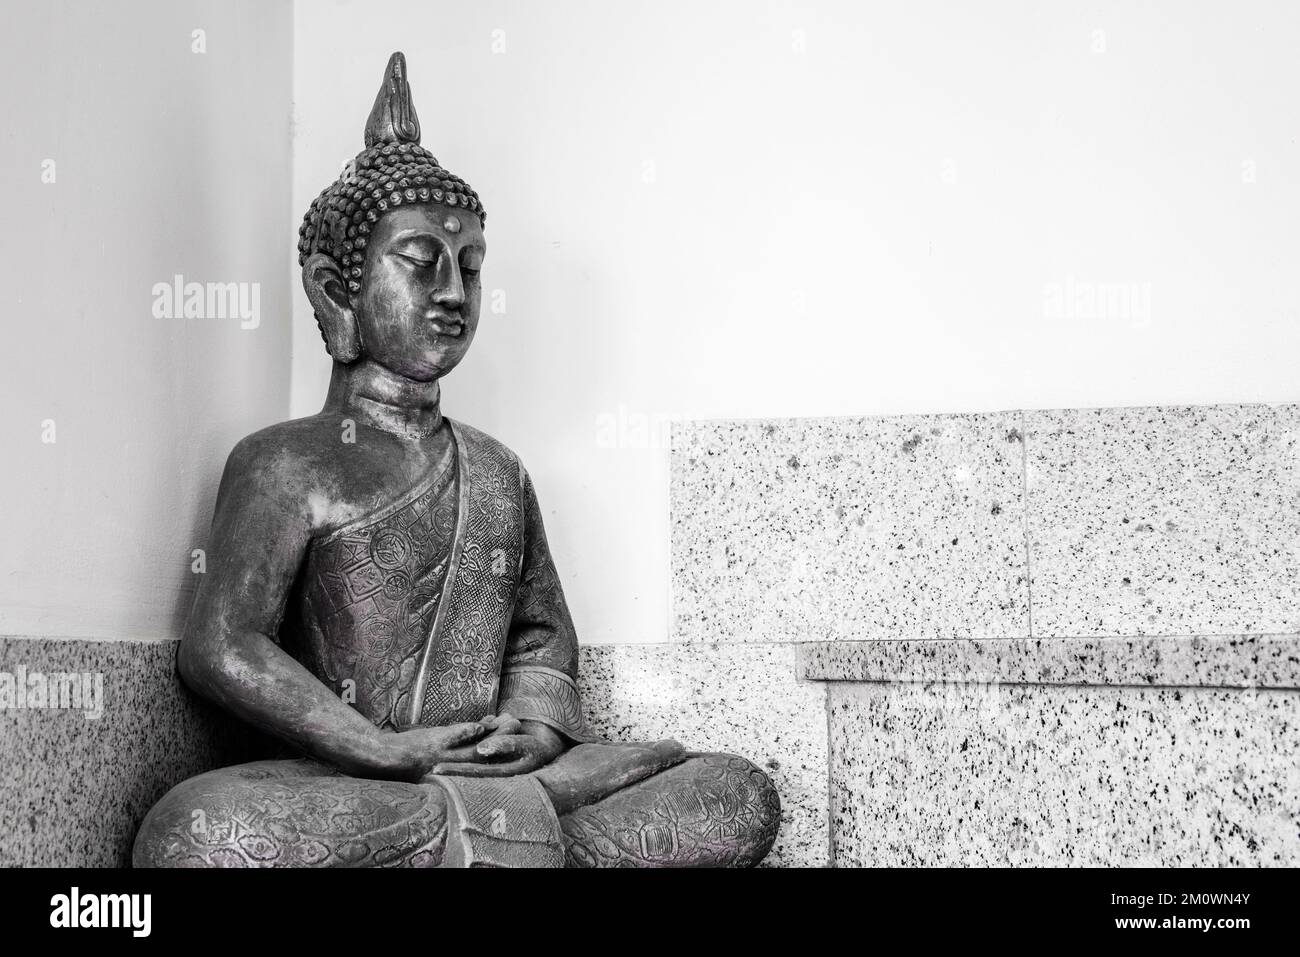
point(323, 282)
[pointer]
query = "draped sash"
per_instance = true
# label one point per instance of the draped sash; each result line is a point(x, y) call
point(460, 670)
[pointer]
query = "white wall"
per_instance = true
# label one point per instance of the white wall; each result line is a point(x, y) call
point(873, 225)
point(166, 161)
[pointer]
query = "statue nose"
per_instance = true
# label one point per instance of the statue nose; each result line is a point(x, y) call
point(450, 287)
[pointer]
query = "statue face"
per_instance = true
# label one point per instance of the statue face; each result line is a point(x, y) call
point(418, 308)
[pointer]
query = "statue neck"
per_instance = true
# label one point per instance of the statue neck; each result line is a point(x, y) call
point(378, 397)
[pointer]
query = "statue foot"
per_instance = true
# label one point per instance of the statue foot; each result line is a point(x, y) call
point(712, 810)
point(586, 773)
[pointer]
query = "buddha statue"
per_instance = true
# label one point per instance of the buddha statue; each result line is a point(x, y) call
point(380, 598)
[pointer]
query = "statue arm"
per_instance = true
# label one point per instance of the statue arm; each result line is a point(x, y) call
point(540, 670)
point(260, 532)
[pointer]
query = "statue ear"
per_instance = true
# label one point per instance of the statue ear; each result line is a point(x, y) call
point(328, 294)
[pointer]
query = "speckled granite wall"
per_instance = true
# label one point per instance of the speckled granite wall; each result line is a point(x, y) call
point(821, 529)
point(1117, 752)
point(1241, 661)
point(1164, 521)
point(1103, 522)
point(1063, 637)
point(969, 774)
point(74, 789)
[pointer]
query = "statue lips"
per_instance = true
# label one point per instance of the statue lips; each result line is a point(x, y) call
point(445, 324)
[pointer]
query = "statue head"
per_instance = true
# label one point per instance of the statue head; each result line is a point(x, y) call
point(391, 251)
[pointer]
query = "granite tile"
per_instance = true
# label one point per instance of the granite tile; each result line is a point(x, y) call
point(741, 699)
point(73, 788)
point(1243, 661)
point(978, 775)
point(907, 527)
point(1164, 521)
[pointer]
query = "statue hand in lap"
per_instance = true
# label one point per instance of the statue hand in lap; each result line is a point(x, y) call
point(513, 747)
point(419, 752)
point(381, 596)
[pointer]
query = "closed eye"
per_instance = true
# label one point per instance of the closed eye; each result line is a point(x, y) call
point(416, 260)
point(470, 263)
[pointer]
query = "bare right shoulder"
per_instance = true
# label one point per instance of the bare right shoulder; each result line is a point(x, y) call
point(289, 472)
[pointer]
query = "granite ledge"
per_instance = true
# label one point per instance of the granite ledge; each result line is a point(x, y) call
point(1233, 661)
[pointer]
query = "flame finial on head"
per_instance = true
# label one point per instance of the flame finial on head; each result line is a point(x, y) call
point(393, 118)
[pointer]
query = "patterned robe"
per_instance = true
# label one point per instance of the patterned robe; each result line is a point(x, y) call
point(444, 604)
